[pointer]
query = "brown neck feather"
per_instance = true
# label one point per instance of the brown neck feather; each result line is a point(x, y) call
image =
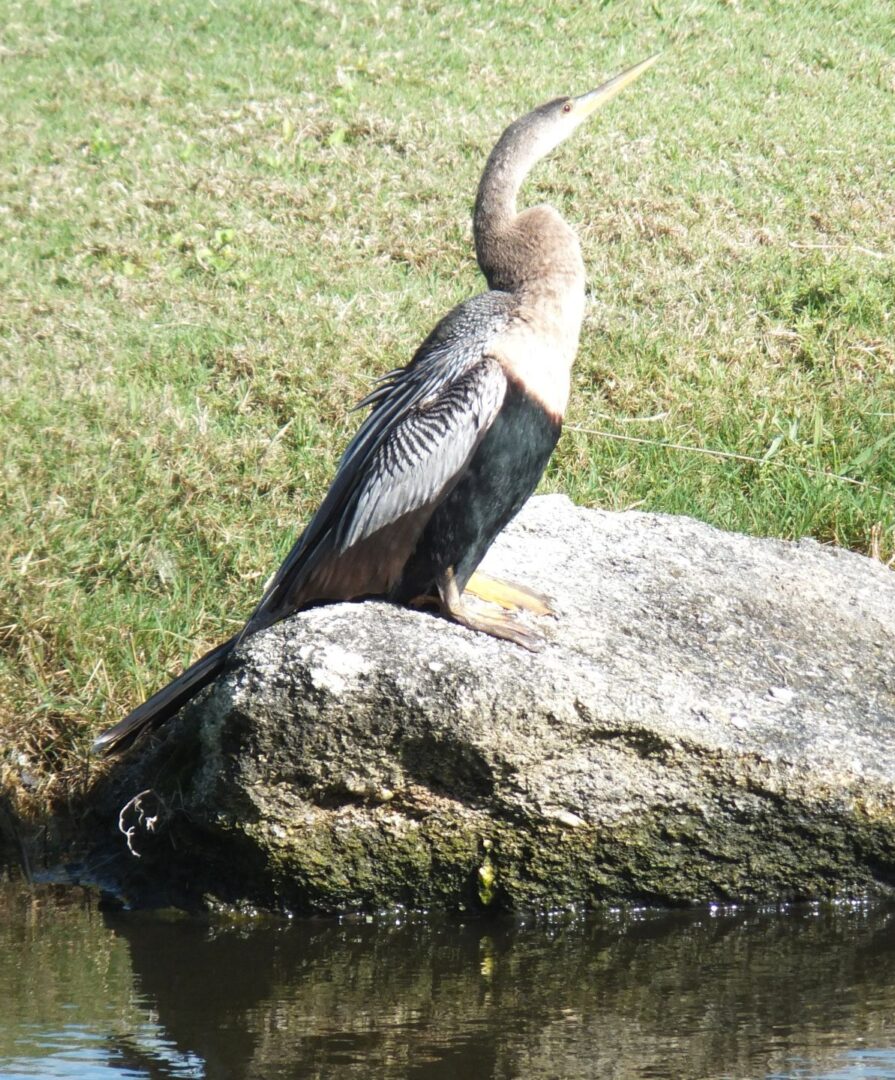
point(528, 252)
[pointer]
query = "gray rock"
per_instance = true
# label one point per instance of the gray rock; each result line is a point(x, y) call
point(711, 720)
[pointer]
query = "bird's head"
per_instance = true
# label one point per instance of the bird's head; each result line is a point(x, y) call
point(507, 249)
point(550, 124)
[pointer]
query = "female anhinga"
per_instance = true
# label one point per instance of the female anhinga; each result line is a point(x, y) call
point(456, 441)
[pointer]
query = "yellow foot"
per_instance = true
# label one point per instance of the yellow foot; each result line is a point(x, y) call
point(500, 625)
point(509, 596)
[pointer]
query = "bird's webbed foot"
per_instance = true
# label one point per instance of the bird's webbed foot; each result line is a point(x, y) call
point(509, 595)
point(500, 625)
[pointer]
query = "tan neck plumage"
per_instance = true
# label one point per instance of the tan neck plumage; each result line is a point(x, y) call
point(536, 257)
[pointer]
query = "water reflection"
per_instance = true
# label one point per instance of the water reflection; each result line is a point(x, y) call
point(733, 994)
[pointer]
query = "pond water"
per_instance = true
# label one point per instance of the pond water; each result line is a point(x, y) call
point(805, 992)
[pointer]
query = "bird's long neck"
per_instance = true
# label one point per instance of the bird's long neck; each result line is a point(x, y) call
point(534, 255)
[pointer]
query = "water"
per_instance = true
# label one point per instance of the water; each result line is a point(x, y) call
point(809, 992)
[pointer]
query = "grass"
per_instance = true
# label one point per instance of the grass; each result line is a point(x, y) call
point(220, 221)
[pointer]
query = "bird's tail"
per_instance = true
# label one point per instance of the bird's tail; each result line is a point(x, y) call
point(164, 704)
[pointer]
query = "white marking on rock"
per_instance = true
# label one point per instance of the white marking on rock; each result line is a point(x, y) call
point(337, 668)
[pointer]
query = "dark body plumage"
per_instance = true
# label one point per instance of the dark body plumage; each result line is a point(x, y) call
point(503, 473)
point(457, 440)
point(492, 441)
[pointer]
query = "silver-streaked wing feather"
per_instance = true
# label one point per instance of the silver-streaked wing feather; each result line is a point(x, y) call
point(438, 407)
point(424, 453)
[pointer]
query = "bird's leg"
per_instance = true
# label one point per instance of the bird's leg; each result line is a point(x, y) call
point(423, 601)
point(500, 625)
point(509, 595)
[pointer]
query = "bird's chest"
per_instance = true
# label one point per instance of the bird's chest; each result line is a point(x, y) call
point(543, 370)
point(537, 352)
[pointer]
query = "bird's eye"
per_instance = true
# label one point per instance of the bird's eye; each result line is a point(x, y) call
point(567, 107)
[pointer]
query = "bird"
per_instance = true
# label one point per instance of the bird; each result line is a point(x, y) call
point(456, 441)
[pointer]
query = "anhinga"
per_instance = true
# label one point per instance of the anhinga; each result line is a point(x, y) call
point(456, 441)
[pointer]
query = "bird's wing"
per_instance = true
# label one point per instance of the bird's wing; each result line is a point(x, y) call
point(427, 420)
point(424, 452)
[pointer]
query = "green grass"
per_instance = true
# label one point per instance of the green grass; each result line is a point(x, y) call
point(219, 222)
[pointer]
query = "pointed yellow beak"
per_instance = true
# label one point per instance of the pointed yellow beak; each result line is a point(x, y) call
point(589, 102)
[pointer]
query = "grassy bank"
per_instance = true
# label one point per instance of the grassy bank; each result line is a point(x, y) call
point(219, 222)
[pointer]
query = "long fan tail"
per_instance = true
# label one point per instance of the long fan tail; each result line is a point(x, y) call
point(168, 701)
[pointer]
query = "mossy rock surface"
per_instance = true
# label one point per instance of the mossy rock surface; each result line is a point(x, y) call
point(711, 720)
